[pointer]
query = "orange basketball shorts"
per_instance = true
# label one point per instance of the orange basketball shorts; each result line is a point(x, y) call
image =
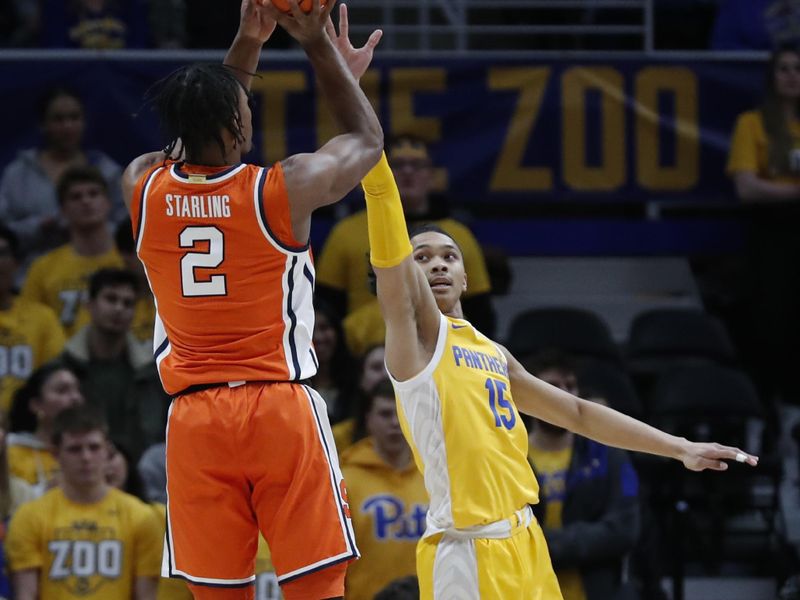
point(258, 456)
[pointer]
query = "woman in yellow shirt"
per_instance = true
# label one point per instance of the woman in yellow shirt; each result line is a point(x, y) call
point(764, 159)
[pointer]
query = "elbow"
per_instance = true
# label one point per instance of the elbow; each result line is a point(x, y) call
point(374, 144)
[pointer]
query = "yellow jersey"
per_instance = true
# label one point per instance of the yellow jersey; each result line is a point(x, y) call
point(388, 508)
point(749, 150)
point(88, 551)
point(30, 335)
point(60, 278)
point(343, 262)
point(31, 460)
point(552, 467)
point(467, 437)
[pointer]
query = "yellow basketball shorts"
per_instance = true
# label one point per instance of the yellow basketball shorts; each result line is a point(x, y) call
point(517, 567)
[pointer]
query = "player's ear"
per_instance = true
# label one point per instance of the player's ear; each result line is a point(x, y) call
point(464, 285)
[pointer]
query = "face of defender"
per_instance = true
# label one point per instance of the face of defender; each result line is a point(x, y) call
point(443, 265)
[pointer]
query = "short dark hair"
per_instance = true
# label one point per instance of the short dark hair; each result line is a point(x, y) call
point(76, 420)
point(421, 228)
point(123, 237)
point(195, 103)
point(13, 241)
point(105, 278)
point(76, 175)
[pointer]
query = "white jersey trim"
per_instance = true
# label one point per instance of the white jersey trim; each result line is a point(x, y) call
point(432, 364)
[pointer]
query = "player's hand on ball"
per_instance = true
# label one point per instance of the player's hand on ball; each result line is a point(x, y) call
point(701, 456)
point(357, 59)
point(305, 27)
point(255, 22)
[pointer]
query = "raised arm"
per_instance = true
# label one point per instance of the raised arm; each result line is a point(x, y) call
point(407, 303)
point(607, 426)
point(325, 176)
point(255, 27)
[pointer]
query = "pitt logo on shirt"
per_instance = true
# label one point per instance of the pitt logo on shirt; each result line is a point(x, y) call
point(391, 521)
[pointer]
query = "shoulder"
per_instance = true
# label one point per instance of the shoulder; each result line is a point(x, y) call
point(750, 120)
point(52, 258)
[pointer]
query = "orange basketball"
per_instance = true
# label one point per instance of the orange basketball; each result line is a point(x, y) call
point(305, 5)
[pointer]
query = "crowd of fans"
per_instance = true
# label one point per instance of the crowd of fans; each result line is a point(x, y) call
point(83, 412)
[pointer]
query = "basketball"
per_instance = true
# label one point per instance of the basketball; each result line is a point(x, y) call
point(305, 5)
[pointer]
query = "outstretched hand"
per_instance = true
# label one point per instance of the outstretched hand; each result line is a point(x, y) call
point(700, 456)
point(357, 59)
point(256, 22)
point(306, 28)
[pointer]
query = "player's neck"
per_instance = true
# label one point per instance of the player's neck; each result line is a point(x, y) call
point(456, 312)
point(91, 242)
point(105, 346)
point(213, 157)
point(85, 494)
point(550, 441)
point(397, 459)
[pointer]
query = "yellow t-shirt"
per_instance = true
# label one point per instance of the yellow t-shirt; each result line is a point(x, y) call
point(749, 151)
point(343, 434)
point(343, 262)
point(31, 460)
point(388, 509)
point(551, 472)
point(364, 328)
point(87, 551)
point(30, 335)
point(60, 279)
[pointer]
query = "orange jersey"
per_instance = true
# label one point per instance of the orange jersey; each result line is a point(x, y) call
point(233, 289)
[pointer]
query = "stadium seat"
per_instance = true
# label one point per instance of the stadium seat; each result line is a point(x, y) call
point(675, 334)
point(713, 517)
point(575, 331)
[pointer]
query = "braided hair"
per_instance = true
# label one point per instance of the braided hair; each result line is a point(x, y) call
point(195, 104)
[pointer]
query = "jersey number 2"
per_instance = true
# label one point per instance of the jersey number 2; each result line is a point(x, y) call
point(215, 285)
point(497, 402)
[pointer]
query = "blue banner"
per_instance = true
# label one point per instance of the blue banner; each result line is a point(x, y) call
point(510, 130)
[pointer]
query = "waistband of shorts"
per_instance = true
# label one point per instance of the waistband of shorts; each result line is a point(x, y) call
point(497, 530)
point(192, 389)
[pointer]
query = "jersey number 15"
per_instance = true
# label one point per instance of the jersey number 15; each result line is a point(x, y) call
point(502, 409)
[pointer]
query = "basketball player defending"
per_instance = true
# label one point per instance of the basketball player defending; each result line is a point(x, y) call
point(225, 249)
point(454, 392)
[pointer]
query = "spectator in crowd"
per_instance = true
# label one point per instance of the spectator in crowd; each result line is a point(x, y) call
point(30, 333)
point(588, 497)
point(49, 390)
point(764, 164)
point(152, 470)
point(13, 492)
point(334, 377)
point(405, 588)
point(118, 374)
point(167, 20)
point(145, 315)
point(58, 279)
point(84, 538)
point(94, 24)
point(119, 472)
point(371, 372)
point(29, 203)
point(386, 496)
point(755, 24)
point(343, 266)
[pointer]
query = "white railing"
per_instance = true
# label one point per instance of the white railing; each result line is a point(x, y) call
point(461, 25)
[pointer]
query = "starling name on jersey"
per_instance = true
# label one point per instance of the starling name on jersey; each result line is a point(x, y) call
point(198, 207)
